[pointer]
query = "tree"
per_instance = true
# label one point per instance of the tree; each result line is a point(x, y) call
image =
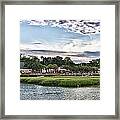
point(68, 61)
point(49, 67)
point(67, 67)
point(58, 61)
point(75, 69)
point(51, 64)
point(55, 67)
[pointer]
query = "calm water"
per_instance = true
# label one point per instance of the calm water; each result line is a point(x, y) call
point(37, 92)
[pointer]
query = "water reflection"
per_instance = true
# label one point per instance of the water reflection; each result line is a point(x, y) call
point(37, 92)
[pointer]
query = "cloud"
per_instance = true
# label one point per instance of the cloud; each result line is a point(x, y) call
point(37, 43)
point(81, 46)
point(93, 54)
point(78, 55)
point(63, 53)
point(78, 26)
point(73, 45)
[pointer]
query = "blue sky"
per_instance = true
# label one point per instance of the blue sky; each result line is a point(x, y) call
point(47, 33)
point(30, 33)
point(60, 35)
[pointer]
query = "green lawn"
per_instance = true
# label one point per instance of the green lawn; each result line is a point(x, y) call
point(63, 81)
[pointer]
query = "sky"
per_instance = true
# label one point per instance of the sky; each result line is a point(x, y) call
point(78, 39)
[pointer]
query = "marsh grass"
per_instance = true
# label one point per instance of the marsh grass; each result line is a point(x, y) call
point(63, 81)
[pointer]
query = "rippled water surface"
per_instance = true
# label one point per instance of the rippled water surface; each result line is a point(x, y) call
point(37, 92)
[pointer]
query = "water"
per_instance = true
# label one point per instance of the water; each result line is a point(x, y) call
point(37, 92)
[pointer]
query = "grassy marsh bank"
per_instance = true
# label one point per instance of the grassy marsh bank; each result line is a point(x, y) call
point(63, 81)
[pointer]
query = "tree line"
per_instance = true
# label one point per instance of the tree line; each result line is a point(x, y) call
point(48, 63)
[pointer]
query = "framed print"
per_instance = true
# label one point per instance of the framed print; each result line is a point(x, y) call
point(59, 59)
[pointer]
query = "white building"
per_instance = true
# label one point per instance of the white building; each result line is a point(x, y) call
point(25, 71)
